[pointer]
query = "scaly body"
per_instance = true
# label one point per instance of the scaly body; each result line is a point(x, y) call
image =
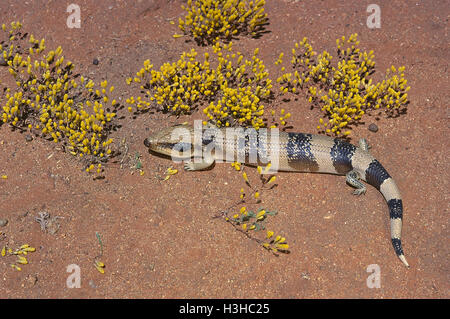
point(297, 152)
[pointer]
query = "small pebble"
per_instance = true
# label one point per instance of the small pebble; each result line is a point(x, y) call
point(95, 61)
point(3, 222)
point(373, 128)
point(28, 138)
point(2, 61)
point(92, 284)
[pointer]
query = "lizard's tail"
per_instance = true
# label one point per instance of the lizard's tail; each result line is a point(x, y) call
point(378, 177)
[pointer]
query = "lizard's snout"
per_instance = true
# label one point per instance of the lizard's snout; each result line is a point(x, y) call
point(147, 142)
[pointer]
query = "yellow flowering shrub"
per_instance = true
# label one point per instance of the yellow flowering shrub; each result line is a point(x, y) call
point(208, 21)
point(244, 87)
point(232, 88)
point(50, 101)
point(344, 92)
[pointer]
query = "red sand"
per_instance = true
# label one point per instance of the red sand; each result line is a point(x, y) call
point(160, 240)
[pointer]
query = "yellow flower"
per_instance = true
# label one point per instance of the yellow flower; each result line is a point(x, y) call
point(99, 268)
point(172, 171)
point(22, 260)
point(244, 175)
point(16, 267)
point(261, 215)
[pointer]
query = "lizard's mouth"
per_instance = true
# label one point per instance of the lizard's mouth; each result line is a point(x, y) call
point(175, 149)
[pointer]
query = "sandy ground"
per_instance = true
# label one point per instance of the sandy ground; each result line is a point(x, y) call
point(159, 237)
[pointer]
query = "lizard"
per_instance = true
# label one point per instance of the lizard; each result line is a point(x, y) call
point(297, 152)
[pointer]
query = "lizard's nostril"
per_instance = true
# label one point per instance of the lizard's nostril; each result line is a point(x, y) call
point(147, 142)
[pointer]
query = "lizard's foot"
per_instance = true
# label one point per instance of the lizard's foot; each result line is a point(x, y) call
point(192, 166)
point(353, 179)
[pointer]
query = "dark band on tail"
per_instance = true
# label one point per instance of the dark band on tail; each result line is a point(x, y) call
point(397, 243)
point(376, 174)
point(341, 155)
point(395, 208)
point(378, 177)
point(299, 152)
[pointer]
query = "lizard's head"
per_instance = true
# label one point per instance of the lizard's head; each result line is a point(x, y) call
point(174, 141)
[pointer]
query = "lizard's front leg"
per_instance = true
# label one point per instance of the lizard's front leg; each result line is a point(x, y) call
point(199, 164)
